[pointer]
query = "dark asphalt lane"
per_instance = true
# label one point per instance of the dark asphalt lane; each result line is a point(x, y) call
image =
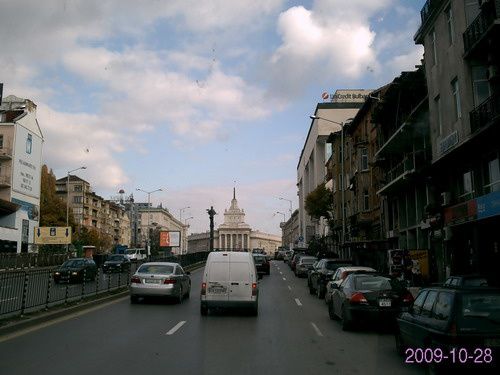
point(132, 339)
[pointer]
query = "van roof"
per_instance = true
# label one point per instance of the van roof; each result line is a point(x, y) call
point(233, 255)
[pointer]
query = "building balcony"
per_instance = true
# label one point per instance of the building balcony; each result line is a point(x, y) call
point(398, 175)
point(486, 24)
point(5, 153)
point(485, 114)
point(426, 13)
point(5, 181)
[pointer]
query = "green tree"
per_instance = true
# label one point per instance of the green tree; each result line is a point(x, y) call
point(319, 203)
point(52, 208)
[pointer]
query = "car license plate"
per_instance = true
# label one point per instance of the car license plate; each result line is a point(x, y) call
point(384, 303)
point(492, 342)
point(216, 290)
point(152, 281)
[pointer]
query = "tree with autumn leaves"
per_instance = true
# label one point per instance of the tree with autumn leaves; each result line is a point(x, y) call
point(53, 214)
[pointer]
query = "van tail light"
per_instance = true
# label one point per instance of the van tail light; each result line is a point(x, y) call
point(254, 289)
point(203, 289)
point(358, 298)
point(169, 281)
point(135, 280)
point(408, 298)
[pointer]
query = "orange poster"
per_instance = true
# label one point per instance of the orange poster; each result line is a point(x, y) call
point(164, 239)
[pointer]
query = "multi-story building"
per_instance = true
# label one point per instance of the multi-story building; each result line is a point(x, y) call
point(21, 143)
point(311, 170)
point(462, 63)
point(403, 154)
point(160, 218)
point(291, 233)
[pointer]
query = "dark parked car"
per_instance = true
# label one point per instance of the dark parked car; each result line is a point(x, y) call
point(322, 272)
point(116, 263)
point(368, 297)
point(76, 270)
point(262, 264)
point(304, 264)
point(456, 323)
point(295, 259)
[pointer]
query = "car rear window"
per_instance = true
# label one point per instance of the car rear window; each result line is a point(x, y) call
point(73, 263)
point(259, 260)
point(308, 260)
point(372, 283)
point(156, 269)
point(475, 282)
point(481, 308)
point(115, 257)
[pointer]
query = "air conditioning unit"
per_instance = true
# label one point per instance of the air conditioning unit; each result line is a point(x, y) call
point(445, 198)
point(493, 72)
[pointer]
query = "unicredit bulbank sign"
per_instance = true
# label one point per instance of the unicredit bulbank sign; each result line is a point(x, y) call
point(347, 96)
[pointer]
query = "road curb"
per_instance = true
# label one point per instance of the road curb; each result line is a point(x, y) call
point(60, 311)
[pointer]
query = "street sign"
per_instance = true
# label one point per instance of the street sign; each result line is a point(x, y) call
point(52, 235)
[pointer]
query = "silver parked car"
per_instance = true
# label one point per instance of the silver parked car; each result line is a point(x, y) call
point(160, 279)
point(340, 275)
point(304, 264)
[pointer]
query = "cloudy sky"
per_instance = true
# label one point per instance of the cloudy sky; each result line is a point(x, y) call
point(195, 97)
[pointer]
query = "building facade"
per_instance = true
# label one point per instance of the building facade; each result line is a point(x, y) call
point(291, 233)
point(21, 142)
point(462, 63)
point(311, 171)
point(234, 234)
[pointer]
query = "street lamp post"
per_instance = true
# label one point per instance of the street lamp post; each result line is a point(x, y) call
point(149, 216)
point(67, 198)
point(342, 124)
point(181, 211)
point(185, 220)
point(289, 201)
point(284, 217)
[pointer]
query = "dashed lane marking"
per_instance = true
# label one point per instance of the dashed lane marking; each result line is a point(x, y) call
point(289, 288)
point(297, 301)
point(176, 327)
point(284, 279)
point(315, 327)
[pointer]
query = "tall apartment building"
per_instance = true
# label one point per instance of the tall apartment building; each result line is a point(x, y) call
point(21, 141)
point(311, 170)
point(291, 231)
point(462, 63)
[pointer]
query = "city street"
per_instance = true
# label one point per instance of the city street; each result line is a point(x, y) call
point(292, 334)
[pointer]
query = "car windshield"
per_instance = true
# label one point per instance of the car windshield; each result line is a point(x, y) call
point(259, 259)
point(115, 258)
point(73, 263)
point(307, 260)
point(131, 251)
point(156, 269)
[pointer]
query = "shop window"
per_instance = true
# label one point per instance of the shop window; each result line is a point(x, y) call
point(467, 185)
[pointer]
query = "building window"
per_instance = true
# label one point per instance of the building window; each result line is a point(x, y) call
point(493, 176)
point(29, 144)
point(1, 140)
point(433, 47)
point(471, 10)
point(366, 200)
point(480, 84)
point(455, 92)
point(77, 188)
point(437, 103)
point(341, 182)
point(449, 21)
point(347, 179)
point(78, 199)
point(364, 159)
point(334, 185)
point(467, 184)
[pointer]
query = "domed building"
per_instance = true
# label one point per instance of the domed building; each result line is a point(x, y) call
point(234, 234)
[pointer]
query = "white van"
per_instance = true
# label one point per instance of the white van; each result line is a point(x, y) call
point(136, 254)
point(229, 280)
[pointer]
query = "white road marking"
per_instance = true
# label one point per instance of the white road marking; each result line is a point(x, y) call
point(289, 287)
point(297, 301)
point(284, 279)
point(318, 332)
point(281, 273)
point(177, 326)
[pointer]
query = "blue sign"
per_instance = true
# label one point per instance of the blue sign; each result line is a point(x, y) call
point(488, 205)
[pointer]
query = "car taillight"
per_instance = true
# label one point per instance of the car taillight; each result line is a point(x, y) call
point(408, 298)
point(203, 289)
point(254, 289)
point(358, 298)
point(169, 281)
point(135, 280)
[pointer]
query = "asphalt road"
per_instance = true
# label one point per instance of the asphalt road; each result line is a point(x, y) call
point(292, 335)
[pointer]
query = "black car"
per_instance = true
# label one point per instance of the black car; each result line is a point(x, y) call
point(368, 298)
point(76, 270)
point(321, 273)
point(116, 263)
point(262, 264)
point(462, 324)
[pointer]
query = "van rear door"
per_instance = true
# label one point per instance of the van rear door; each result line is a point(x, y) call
point(240, 276)
point(218, 281)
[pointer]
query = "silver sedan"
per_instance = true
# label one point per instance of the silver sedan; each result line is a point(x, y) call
point(160, 279)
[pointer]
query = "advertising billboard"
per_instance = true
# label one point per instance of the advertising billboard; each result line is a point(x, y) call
point(27, 163)
point(52, 235)
point(170, 238)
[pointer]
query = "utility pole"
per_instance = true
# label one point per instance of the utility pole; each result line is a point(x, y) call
point(211, 213)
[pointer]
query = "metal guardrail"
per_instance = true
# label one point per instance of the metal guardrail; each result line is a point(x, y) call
point(30, 290)
point(28, 260)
